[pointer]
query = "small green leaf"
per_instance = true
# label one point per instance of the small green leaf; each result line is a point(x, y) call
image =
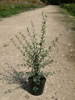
point(35, 89)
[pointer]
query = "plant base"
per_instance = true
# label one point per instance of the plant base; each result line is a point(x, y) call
point(36, 88)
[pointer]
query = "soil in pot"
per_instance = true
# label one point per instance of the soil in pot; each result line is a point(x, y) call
point(36, 84)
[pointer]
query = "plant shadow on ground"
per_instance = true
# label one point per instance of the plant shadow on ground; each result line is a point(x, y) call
point(12, 76)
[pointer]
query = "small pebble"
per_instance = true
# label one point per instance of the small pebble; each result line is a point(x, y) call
point(56, 99)
point(55, 92)
point(69, 44)
point(5, 45)
point(27, 96)
point(72, 50)
point(63, 55)
point(52, 97)
point(8, 91)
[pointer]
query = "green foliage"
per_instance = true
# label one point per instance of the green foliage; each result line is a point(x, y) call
point(56, 2)
point(34, 51)
point(7, 10)
point(35, 88)
point(70, 8)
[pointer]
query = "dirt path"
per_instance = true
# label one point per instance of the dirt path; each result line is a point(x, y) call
point(60, 86)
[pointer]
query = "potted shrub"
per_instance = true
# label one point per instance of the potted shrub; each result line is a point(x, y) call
point(36, 56)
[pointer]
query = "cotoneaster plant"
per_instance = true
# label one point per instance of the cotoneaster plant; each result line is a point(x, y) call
point(36, 56)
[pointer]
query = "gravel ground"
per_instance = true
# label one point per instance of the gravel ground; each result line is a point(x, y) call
point(59, 86)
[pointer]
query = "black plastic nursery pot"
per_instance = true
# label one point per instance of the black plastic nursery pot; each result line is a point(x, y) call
point(36, 88)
